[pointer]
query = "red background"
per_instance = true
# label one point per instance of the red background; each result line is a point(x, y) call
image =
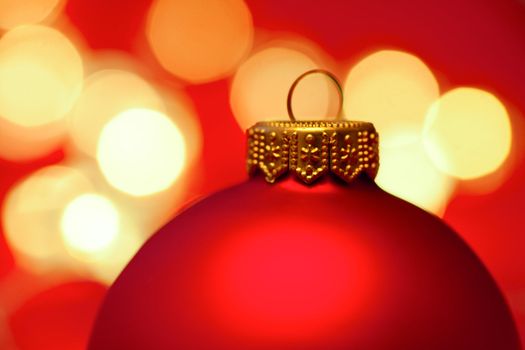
point(465, 42)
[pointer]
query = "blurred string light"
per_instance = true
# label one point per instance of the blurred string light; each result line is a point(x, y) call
point(90, 223)
point(110, 92)
point(468, 133)
point(107, 93)
point(407, 172)
point(96, 233)
point(17, 12)
point(261, 85)
point(32, 210)
point(391, 89)
point(141, 152)
point(41, 75)
point(55, 219)
point(147, 213)
point(31, 126)
point(199, 40)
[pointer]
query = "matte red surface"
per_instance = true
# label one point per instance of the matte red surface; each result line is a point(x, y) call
point(294, 267)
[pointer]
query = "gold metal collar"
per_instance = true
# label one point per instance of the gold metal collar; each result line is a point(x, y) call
point(311, 149)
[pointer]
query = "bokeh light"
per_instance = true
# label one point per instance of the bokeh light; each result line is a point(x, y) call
point(407, 172)
point(391, 89)
point(32, 213)
point(57, 220)
point(90, 223)
point(468, 133)
point(107, 93)
point(260, 88)
point(200, 40)
point(17, 12)
point(107, 264)
point(40, 75)
point(141, 152)
point(100, 234)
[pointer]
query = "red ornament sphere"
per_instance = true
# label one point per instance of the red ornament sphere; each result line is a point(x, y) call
point(290, 266)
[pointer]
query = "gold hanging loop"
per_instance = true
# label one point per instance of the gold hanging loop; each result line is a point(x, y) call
point(315, 71)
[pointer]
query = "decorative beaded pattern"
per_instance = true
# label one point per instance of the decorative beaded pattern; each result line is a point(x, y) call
point(312, 149)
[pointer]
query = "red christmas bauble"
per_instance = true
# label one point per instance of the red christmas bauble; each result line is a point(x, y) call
point(339, 264)
point(289, 266)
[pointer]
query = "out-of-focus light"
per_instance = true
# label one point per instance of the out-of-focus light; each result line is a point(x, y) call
point(468, 133)
point(141, 152)
point(200, 40)
point(150, 212)
point(260, 88)
point(40, 75)
point(99, 235)
point(407, 172)
point(17, 12)
point(107, 263)
point(107, 93)
point(391, 89)
point(31, 215)
point(53, 220)
point(90, 223)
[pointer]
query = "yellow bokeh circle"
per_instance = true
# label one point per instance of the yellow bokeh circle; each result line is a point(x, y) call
point(40, 75)
point(141, 152)
point(468, 133)
point(107, 93)
point(90, 223)
point(31, 214)
point(199, 40)
point(392, 89)
point(17, 12)
point(55, 220)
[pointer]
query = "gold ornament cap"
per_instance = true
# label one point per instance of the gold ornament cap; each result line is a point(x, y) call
point(312, 149)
